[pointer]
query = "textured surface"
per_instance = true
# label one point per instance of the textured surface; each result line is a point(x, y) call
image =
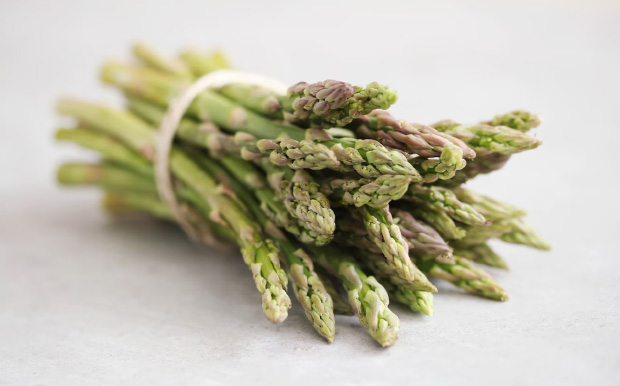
point(85, 300)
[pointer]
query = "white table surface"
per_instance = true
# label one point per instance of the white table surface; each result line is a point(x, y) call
point(86, 300)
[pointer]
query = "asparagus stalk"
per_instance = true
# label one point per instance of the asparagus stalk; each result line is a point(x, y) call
point(386, 235)
point(203, 63)
point(482, 254)
point(486, 139)
point(259, 252)
point(424, 241)
point(319, 150)
point(132, 186)
point(321, 104)
point(480, 235)
point(376, 193)
point(150, 57)
point(465, 276)
point(417, 301)
point(422, 140)
point(308, 287)
point(520, 232)
point(445, 167)
point(333, 285)
point(108, 147)
point(518, 119)
point(204, 134)
point(491, 209)
point(122, 202)
point(334, 103)
point(303, 200)
point(444, 200)
point(367, 296)
point(376, 263)
point(441, 221)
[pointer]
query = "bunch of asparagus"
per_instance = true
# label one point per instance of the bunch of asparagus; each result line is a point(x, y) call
point(321, 187)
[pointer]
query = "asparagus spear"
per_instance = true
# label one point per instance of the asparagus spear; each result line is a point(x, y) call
point(493, 145)
point(171, 66)
point(303, 200)
point(308, 287)
point(444, 200)
point(205, 134)
point(366, 295)
point(386, 235)
point(334, 103)
point(131, 185)
point(518, 119)
point(376, 193)
point(520, 232)
point(321, 104)
point(417, 301)
point(486, 139)
point(479, 235)
point(441, 221)
point(490, 208)
point(413, 138)
point(203, 63)
point(376, 263)
point(465, 276)
point(108, 147)
point(445, 167)
point(318, 151)
point(424, 241)
point(334, 286)
point(259, 252)
point(482, 254)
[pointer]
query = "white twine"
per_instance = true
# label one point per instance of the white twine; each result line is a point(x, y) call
point(170, 123)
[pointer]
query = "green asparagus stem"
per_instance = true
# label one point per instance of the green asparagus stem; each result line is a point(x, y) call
point(319, 150)
point(520, 232)
point(386, 235)
point(303, 200)
point(445, 201)
point(203, 63)
point(308, 287)
point(417, 301)
point(116, 179)
point(150, 57)
point(481, 254)
point(518, 119)
point(491, 209)
point(424, 241)
point(258, 99)
point(108, 176)
point(439, 220)
point(377, 265)
point(465, 276)
point(367, 297)
point(160, 89)
point(204, 134)
point(108, 147)
point(413, 138)
point(117, 202)
point(334, 103)
point(487, 139)
point(480, 235)
point(259, 253)
point(341, 305)
point(445, 167)
point(376, 193)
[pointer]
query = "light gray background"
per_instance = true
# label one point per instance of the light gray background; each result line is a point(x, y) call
point(86, 300)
